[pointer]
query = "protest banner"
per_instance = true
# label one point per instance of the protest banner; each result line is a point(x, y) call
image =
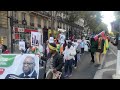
point(21, 45)
point(17, 66)
point(35, 38)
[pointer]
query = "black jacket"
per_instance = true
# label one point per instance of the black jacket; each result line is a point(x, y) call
point(58, 62)
point(34, 75)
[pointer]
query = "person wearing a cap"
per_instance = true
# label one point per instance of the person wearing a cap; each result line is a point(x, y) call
point(55, 62)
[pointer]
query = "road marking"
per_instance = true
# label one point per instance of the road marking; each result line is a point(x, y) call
point(103, 60)
point(110, 53)
point(107, 64)
point(113, 52)
point(99, 73)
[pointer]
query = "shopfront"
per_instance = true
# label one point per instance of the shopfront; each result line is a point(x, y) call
point(21, 34)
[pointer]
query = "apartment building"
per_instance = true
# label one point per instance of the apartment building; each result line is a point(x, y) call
point(25, 22)
point(4, 32)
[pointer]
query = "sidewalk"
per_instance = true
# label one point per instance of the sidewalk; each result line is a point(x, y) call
point(109, 65)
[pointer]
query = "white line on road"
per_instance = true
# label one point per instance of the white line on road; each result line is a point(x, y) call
point(113, 52)
point(110, 53)
point(99, 73)
point(102, 62)
point(107, 64)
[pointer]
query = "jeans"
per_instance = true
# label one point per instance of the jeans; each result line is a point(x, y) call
point(82, 50)
point(68, 66)
point(75, 61)
point(92, 56)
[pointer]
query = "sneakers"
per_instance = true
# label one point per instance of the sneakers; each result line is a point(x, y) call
point(70, 75)
point(66, 75)
point(92, 61)
point(97, 65)
point(75, 67)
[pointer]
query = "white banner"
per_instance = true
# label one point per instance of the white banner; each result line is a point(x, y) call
point(17, 66)
point(62, 39)
point(35, 38)
point(21, 45)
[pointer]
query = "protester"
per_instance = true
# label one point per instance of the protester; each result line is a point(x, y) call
point(54, 63)
point(82, 44)
point(75, 46)
point(64, 45)
point(92, 48)
point(69, 54)
point(5, 50)
point(99, 51)
point(78, 51)
point(108, 38)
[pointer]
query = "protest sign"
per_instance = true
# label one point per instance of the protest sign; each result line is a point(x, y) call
point(35, 38)
point(21, 45)
point(17, 66)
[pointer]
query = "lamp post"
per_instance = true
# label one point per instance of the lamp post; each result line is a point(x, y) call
point(11, 28)
point(117, 75)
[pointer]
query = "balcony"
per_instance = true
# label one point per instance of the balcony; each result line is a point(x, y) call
point(43, 13)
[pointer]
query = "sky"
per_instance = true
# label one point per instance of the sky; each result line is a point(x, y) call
point(108, 17)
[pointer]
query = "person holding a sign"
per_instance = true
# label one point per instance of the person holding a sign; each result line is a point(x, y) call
point(54, 63)
point(99, 51)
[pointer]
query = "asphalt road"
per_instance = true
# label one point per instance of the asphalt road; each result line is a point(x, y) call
point(85, 69)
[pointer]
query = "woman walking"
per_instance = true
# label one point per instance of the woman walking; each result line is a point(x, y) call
point(92, 48)
point(99, 51)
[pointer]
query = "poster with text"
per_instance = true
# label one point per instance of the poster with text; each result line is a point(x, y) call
point(62, 39)
point(35, 38)
point(17, 66)
point(21, 45)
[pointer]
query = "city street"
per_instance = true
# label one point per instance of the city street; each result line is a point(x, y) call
point(87, 70)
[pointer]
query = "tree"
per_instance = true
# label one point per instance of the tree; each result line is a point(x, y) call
point(92, 19)
point(117, 14)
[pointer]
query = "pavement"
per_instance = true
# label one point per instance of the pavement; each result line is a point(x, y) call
point(109, 64)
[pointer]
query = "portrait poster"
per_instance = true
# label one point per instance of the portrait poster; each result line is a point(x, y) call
point(62, 39)
point(18, 66)
point(35, 38)
point(21, 45)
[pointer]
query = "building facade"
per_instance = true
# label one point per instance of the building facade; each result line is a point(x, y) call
point(4, 31)
point(24, 22)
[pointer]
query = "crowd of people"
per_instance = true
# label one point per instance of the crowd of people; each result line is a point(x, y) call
point(61, 58)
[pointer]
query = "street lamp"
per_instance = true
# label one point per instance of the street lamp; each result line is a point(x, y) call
point(117, 75)
point(11, 26)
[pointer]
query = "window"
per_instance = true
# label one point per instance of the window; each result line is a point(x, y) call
point(39, 21)
point(23, 16)
point(45, 22)
point(15, 14)
point(31, 20)
point(15, 17)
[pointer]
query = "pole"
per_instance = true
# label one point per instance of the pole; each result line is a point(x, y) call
point(11, 25)
point(68, 33)
point(117, 75)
